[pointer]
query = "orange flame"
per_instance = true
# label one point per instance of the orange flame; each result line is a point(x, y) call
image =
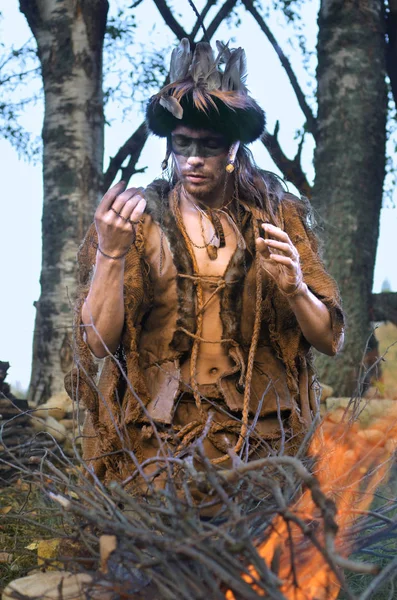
point(350, 463)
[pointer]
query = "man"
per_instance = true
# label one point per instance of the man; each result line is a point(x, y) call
point(203, 293)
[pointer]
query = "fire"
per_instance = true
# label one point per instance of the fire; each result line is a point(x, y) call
point(351, 463)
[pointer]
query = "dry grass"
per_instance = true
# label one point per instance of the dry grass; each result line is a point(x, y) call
point(25, 513)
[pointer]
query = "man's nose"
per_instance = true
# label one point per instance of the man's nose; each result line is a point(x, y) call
point(195, 161)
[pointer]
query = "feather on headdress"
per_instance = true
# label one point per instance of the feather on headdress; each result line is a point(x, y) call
point(202, 95)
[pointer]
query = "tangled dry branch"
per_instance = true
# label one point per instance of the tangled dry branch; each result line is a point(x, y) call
point(165, 545)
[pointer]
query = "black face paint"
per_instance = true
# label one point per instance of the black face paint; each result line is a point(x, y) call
point(203, 147)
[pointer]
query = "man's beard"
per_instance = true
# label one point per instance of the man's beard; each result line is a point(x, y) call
point(209, 189)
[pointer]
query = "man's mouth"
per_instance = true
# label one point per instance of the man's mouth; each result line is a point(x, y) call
point(195, 177)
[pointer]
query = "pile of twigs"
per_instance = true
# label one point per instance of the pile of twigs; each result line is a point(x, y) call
point(165, 548)
point(17, 441)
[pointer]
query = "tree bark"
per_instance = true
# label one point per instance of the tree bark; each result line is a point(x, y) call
point(350, 164)
point(69, 35)
point(391, 48)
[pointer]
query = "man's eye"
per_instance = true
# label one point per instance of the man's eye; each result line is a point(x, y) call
point(213, 145)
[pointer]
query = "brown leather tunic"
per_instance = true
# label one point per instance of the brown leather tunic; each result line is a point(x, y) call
point(160, 308)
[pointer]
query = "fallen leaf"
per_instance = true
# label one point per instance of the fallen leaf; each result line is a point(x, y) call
point(47, 551)
point(32, 546)
point(5, 509)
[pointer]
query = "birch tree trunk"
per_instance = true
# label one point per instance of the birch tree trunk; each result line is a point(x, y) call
point(69, 35)
point(350, 164)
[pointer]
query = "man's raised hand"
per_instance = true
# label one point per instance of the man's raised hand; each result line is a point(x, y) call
point(280, 259)
point(115, 219)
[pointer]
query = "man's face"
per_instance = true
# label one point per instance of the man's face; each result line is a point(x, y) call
point(200, 157)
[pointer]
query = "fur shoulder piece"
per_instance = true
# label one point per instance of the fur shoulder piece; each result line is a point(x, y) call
point(156, 196)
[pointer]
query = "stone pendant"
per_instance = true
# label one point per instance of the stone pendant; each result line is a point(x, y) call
point(212, 252)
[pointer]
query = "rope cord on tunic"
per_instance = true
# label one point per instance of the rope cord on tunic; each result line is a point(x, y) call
point(209, 279)
point(251, 353)
point(204, 341)
point(197, 336)
point(200, 299)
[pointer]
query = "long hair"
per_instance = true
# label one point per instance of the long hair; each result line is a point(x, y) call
point(260, 188)
point(265, 189)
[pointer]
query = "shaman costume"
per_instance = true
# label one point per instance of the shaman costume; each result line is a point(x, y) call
point(268, 397)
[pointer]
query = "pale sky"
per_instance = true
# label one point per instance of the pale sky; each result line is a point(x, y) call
point(21, 198)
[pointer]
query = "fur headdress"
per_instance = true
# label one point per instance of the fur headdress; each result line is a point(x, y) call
point(203, 95)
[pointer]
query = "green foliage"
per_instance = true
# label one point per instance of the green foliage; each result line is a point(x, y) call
point(19, 75)
point(233, 19)
point(290, 8)
point(120, 26)
point(132, 72)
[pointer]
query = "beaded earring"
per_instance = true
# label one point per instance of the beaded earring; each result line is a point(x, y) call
point(232, 156)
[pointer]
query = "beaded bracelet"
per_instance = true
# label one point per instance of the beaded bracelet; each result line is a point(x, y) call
point(108, 255)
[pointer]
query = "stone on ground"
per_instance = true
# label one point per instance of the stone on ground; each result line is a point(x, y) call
point(54, 585)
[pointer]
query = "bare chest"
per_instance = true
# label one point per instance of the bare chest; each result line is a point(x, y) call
point(211, 259)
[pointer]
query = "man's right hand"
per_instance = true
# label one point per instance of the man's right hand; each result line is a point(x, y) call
point(116, 217)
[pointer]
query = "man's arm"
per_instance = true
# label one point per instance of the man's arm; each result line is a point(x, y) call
point(280, 259)
point(314, 320)
point(103, 309)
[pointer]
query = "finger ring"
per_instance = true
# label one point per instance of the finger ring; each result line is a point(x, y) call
point(119, 215)
point(133, 222)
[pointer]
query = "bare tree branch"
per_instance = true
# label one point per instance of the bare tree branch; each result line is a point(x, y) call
point(391, 47)
point(203, 14)
point(384, 307)
point(199, 20)
point(18, 76)
point(170, 20)
point(223, 12)
point(178, 30)
point(290, 168)
point(133, 148)
point(128, 171)
point(310, 118)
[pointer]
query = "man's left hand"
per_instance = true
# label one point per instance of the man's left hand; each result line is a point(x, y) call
point(280, 259)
